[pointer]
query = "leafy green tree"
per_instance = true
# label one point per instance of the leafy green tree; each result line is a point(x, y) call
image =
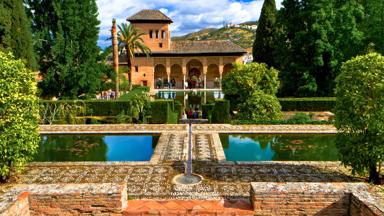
point(260, 106)
point(360, 114)
point(130, 40)
point(19, 113)
point(251, 89)
point(265, 43)
point(66, 34)
point(15, 31)
point(244, 80)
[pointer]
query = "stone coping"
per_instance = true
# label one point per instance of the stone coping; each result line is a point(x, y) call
point(146, 163)
point(265, 129)
point(112, 128)
point(359, 190)
point(174, 128)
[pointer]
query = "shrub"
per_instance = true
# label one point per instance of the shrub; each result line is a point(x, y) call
point(122, 118)
point(220, 112)
point(66, 112)
point(307, 104)
point(260, 106)
point(360, 114)
point(301, 117)
point(19, 113)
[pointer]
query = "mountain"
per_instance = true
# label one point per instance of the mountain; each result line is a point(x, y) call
point(238, 34)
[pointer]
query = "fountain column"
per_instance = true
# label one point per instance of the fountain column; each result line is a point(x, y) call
point(188, 178)
point(189, 159)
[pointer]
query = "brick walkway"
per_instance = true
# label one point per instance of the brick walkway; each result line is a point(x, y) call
point(189, 207)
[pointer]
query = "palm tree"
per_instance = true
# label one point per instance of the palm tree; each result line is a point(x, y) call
point(130, 39)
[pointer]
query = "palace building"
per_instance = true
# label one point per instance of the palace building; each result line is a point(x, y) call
point(188, 64)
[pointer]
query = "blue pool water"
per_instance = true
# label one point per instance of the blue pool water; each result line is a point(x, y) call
point(96, 147)
point(279, 147)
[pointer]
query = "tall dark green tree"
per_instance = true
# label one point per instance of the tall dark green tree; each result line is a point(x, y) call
point(15, 31)
point(348, 37)
point(66, 34)
point(318, 36)
point(265, 42)
point(373, 24)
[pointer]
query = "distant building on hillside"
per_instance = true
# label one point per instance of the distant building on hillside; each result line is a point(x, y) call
point(252, 25)
point(248, 58)
point(179, 61)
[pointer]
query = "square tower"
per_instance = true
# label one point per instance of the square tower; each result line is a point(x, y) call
point(155, 27)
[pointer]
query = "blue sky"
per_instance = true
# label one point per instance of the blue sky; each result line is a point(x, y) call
point(187, 15)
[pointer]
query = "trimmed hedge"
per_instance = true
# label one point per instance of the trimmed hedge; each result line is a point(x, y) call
point(178, 108)
point(220, 112)
point(164, 112)
point(307, 104)
point(207, 111)
point(95, 107)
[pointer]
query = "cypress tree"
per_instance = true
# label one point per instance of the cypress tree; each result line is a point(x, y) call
point(67, 32)
point(15, 31)
point(264, 44)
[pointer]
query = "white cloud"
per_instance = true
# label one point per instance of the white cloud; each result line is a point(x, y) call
point(187, 15)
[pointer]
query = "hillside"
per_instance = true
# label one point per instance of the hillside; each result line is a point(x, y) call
point(241, 36)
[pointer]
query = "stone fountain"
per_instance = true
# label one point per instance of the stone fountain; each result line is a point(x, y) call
point(188, 177)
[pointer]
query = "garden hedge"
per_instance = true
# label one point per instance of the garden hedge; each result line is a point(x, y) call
point(164, 112)
point(95, 107)
point(220, 112)
point(307, 104)
point(207, 111)
point(161, 112)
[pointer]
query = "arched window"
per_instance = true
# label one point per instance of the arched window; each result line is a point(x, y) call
point(150, 33)
point(163, 34)
point(157, 33)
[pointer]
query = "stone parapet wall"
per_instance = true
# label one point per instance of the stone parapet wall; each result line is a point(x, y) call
point(18, 207)
point(69, 199)
point(360, 208)
point(313, 199)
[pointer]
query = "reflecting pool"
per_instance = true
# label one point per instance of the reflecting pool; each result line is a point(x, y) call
point(279, 147)
point(96, 147)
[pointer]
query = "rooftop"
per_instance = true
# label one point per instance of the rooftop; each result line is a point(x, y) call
point(209, 46)
point(149, 16)
point(201, 48)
